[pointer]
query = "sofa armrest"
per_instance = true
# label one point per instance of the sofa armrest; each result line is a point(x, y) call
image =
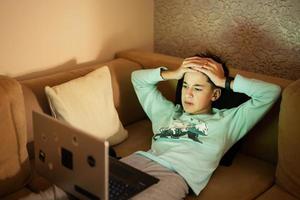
point(14, 164)
point(287, 173)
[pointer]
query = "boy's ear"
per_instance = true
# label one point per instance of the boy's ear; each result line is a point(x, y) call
point(216, 94)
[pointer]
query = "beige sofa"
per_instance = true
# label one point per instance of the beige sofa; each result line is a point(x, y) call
point(266, 166)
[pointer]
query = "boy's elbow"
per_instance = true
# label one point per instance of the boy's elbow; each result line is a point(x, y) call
point(276, 91)
point(136, 78)
point(133, 76)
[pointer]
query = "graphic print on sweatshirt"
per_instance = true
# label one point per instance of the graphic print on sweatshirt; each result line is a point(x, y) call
point(179, 129)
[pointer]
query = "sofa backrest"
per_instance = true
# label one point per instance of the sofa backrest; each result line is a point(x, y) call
point(287, 172)
point(261, 141)
point(14, 162)
point(125, 100)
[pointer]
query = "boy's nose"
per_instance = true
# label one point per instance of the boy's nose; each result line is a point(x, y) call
point(189, 93)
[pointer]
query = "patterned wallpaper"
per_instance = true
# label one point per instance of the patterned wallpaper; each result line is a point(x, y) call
point(259, 35)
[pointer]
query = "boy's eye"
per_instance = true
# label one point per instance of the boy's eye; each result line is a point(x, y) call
point(184, 86)
point(198, 89)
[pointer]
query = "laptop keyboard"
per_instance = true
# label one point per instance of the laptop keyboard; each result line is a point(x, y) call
point(126, 181)
point(119, 190)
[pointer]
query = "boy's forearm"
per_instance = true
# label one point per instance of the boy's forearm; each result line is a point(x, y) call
point(169, 74)
point(145, 77)
point(256, 88)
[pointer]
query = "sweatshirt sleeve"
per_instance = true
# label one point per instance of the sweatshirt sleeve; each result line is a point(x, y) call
point(244, 117)
point(153, 102)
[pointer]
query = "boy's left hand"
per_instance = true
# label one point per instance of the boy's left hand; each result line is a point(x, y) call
point(211, 68)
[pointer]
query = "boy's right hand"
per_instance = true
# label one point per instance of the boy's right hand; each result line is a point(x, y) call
point(186, 66)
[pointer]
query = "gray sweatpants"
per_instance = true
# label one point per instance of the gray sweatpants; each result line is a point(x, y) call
point(170, 187)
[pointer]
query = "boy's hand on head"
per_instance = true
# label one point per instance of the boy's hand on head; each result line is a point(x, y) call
point(208, 66)
point(186, 66)
point(211, 68)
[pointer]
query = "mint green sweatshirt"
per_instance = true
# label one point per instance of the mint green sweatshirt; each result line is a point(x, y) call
point(192, 145)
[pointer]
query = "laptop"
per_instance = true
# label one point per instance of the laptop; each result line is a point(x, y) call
point(79, 163)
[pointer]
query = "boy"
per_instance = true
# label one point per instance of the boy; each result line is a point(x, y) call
point(189, 141)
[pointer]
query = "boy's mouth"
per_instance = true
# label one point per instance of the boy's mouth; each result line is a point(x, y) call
point(188, 103)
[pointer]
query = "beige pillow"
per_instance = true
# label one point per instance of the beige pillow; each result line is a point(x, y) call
point(87, 103)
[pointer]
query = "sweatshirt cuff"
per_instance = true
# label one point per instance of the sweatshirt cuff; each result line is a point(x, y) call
point(159, 70)
point(239, 84)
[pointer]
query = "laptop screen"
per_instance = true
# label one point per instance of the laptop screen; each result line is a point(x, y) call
point(73, 160)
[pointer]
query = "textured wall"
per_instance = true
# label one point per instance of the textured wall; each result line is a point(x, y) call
point(258, 35)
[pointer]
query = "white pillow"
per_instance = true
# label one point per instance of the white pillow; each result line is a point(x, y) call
point(87, 103)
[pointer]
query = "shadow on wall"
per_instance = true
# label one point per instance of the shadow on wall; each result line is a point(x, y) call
point(107, 52)
point(68, 65)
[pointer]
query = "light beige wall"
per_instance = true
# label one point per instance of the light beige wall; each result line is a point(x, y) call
point(37, 35)
point(257, 35)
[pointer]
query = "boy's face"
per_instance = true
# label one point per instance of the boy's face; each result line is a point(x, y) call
point(197, 93)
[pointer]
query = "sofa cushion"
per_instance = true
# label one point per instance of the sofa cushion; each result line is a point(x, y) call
point(246, 178)
point(14, 164)
point(22, 193)
point(87, 103)
point(139, 138)
point(276, 192)
point(288, 173)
